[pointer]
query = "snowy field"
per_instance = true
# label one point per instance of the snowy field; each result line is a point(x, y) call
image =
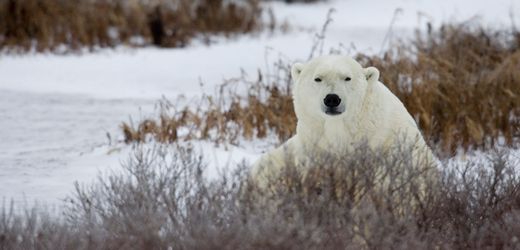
point(59, 115)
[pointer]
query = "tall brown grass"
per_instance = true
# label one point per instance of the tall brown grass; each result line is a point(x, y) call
point(162, 201)
point(461, 84)
point(268, 109)
point(64, 26)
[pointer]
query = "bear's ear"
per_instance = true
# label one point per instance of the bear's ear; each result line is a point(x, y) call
point(371, 74)
point(296, 70)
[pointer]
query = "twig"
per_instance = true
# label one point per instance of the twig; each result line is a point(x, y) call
point(389, 31)
point(319, 38)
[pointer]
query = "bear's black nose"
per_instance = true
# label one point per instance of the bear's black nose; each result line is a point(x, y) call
point(332, 100)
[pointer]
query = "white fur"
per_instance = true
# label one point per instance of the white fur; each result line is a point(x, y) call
point(372, 113)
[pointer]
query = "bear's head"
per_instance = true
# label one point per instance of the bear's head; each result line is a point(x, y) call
point(331, 87)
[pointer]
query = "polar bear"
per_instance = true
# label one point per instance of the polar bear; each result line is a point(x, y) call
point(340, 104)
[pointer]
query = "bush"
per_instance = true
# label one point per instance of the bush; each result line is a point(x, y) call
point(64, 26)
point(163, 201)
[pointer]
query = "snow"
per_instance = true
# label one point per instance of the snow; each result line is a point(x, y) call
point(56, 110)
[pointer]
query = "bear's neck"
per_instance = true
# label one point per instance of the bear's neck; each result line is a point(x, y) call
point(331, 135)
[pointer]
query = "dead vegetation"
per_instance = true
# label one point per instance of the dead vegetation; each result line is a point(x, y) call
point(163, 201)
point(65, 26)
point(461, 84)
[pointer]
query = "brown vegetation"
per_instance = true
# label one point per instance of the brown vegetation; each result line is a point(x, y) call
point(162, 201)
point(461, 84)
point(267, 109)
point(63, 26)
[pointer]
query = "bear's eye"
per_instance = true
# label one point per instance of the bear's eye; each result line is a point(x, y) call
point(317, 79)
point(347, 79)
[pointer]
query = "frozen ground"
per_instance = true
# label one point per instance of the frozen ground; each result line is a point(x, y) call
point(56, 111)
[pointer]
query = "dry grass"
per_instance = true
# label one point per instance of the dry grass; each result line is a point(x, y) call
point(64, 26)
point(162, 201)
point(228, 117)
point(461, 84)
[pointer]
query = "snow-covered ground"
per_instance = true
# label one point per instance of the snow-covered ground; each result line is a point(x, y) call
point(59, 115)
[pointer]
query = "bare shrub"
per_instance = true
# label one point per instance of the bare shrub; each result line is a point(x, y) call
point(35, 228)
point(161, 200)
